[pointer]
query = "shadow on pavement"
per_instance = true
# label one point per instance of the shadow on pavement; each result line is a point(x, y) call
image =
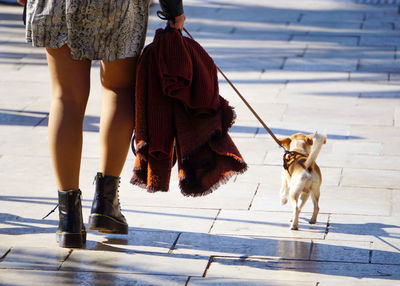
point(15, 117)
point(264, 253)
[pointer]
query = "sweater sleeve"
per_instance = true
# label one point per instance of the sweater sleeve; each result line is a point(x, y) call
point(172, 8)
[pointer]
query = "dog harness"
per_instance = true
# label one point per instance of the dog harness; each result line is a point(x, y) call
point(293, 157)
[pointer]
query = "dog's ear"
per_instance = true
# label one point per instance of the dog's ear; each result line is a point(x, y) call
point(285, 141)
point(309, 138)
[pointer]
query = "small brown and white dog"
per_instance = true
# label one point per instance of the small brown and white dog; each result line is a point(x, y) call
point(302, 176)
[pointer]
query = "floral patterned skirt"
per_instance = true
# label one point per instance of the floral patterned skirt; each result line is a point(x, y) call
point(93, 29)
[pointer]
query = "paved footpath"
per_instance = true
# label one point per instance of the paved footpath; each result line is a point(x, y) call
point(305, 65)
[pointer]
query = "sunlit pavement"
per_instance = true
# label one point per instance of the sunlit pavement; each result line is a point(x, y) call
point(315, 65)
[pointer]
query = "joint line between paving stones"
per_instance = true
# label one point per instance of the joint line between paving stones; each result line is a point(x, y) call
point(254, 195)
point(340, 178)
point(62, 262)
point(174, 244)
point(300, 17)
point(391, 202)
point(303, 53)
point(371, 243)
point(5, 254)
point(188, 280)
point(208, 266)
point(283, 63)
point(215, 219)
point(328, 223)
point(281, 89)
point(311, 249)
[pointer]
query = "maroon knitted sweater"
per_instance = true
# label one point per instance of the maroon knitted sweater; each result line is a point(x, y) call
point(178, 105)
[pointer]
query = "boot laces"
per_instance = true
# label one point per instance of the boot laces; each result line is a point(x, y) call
point(54, 209)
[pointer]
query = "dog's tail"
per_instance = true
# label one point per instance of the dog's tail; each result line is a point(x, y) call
point(319, 141)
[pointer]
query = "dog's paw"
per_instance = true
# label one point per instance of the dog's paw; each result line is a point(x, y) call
point(312, 221)
point(294, 227)
point(284, 201)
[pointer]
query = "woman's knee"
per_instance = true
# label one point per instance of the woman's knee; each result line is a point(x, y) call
point(119, 74)
point(70, 78)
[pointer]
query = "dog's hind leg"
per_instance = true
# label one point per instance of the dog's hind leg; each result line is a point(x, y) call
point(284, 189)
point(296, 211)
point(298, 198)
point(315, 198)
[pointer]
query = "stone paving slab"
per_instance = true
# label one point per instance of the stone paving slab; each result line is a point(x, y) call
point(333, 16)
point(386, 250)
point(370, 178)
point(397, 117)
point(395, 77)
point(251, 282)
point(254, 93)
point(229, 196)
point(171, 219)
point(34, 258)
point(364, 228)
point(135, 241)
point(335, 40)
point(362, 281)
point(242, 246)
point(146, 263)
point(20, 277)
point(333, 200)
point(376, 133)
point(24, 140)
point(379, 65)
point(383, 162)
point(396, 203)
point(349, 115)
point(357, 148)
point(341, 251)
point(292, 270)
point(258, 151)
point(270, 224)
point(303, 76)
point(318, 64)
point(382, 41)
point(369, 76)
point(4, 250)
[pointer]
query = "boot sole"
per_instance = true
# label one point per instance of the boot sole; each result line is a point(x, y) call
point(71, 240)
point(106, 224)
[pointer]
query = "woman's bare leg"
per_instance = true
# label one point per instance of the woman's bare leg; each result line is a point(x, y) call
point(70, 91)
point(117, 114)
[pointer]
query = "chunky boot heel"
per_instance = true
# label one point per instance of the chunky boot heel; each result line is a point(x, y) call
point(71, 231)
point(106, 224)
point(106, 216)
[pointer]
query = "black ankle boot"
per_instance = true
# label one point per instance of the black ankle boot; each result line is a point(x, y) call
point(71, 230)
point(106, 216)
